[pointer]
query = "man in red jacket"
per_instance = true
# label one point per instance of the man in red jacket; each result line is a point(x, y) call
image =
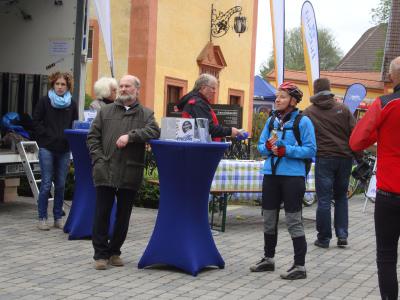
point(196, 104)
point(381, 124)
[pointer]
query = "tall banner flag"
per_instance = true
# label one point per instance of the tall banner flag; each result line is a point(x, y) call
point(354, 95)
point(104, 16)
point(310, 43)
point(278, 33)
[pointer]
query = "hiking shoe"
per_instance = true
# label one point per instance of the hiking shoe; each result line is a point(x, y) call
point(294, 273)
point(100, 264)
point(59, 224)
point(342, 242)
point(116, 261)
point(42, 225)
point(320, 244)
point(264, 265)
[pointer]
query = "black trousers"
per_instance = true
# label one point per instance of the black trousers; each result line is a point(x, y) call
point(387, 229)
point(290, 191)
point(105, 246)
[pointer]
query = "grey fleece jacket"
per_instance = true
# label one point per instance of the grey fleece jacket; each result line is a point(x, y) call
point(333, 123)
point(120, 168)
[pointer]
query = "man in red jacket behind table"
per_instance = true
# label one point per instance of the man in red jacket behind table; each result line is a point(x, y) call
point(381, 124)
point(196, 104)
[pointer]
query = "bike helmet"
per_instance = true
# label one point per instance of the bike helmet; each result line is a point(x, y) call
point(292, 90)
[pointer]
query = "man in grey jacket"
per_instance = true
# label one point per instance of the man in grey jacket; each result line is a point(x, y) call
point(116, 142)
point(333, 123)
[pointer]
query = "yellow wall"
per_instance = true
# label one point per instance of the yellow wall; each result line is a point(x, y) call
point(120, 19)
point(183, 31)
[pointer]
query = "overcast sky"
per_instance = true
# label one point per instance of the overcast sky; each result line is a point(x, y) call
point(347, 19)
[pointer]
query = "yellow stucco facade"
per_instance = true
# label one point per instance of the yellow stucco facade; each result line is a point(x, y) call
point(160, 40)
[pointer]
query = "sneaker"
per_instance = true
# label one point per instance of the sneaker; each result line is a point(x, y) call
point(116, 261)
point(59, 224)
point(342, 242)
point(294, 273)
point(100, 264)
point(42, 225)
point(264, 265)
point(320, 244)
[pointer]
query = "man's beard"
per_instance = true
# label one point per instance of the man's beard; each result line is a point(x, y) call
point(126, 98)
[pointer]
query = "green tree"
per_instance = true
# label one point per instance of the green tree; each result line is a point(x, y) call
point(381, 13)
point(329, 53)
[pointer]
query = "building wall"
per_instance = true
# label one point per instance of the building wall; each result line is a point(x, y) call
point(98, 67)
point(183, 31)
point(157, 39)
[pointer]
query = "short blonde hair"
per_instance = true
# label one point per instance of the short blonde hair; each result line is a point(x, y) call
point(103, 87)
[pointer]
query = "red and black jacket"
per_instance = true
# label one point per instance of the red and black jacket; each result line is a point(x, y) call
point(381, 124)
point(195, 105)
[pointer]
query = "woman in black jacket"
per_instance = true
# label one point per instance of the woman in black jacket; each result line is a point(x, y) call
point(54, 113)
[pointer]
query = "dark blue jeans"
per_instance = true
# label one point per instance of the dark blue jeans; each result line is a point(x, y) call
point(331, 182)
point(53, 167)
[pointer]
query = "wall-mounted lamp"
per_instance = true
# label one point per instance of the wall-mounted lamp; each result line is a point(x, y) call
point(220, 22)
point(58, 2)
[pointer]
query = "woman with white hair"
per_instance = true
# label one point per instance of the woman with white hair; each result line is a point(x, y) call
point(105, 90)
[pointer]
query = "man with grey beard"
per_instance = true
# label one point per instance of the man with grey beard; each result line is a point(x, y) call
point(116, 142)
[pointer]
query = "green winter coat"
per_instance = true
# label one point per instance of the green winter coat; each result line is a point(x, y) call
point(120, 168)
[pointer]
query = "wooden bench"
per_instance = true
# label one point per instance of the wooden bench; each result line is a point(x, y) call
point(220, 196)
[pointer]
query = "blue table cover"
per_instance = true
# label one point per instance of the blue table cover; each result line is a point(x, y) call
point(182, 236)
point(79, 223)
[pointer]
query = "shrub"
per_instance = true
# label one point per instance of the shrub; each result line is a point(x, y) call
point(259, 120)
point(88, 100)
point(148, 195)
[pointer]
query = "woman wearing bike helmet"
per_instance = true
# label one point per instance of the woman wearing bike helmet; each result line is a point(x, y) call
point(287, 140)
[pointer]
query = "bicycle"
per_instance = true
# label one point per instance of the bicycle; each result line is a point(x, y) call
point(361, 177)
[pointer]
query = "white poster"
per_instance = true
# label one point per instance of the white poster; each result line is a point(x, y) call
point(104, 16)
point(310, 43)
point(278, 28)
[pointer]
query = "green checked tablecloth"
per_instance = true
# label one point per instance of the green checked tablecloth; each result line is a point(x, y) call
point(245, 175)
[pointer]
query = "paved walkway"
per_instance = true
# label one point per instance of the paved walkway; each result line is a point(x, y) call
point(46, 265)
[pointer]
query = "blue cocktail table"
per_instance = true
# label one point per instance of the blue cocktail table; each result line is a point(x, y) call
point(79, 223)
point(182, 237)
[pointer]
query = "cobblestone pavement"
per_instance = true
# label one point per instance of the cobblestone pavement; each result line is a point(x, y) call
point(46, 265)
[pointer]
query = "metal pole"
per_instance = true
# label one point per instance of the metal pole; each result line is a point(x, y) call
point(79, 57)
point(212, 10)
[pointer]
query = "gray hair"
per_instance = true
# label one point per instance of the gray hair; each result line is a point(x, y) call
point(103, 86)
point(134, 79)
point(204, 79)
point(394, 68)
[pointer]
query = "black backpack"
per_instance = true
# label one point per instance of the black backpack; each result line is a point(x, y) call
point(296, 132)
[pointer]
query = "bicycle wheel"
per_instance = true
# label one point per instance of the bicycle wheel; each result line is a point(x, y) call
point(353, 186)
